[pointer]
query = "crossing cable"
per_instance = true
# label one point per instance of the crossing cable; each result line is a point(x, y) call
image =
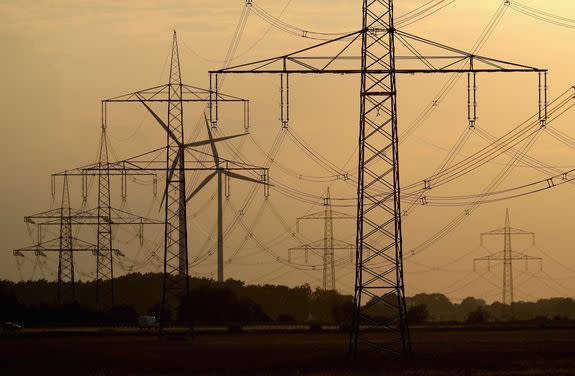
point(463, 215)
point(249, 199)
point(464, 137)
point(542, 16)
point(454, 78)
point(421, 12)
point(326, 164)
point(504, 143)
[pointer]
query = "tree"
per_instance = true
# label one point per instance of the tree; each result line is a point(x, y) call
point(439, 306)
point(479, 316)
point(467, 306)
point(417, 313)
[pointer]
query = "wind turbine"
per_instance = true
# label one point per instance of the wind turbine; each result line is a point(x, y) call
point(222, 169)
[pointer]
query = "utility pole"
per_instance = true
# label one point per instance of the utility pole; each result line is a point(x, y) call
point(507, 257)
point(328, 244)
point(379, 297)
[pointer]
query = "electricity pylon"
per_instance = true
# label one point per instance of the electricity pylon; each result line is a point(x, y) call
point(507, 256)
point(224, 169)
point(104, 214)
point(66, 217)
point(379, 298)
point(104, 256)
point(175, 93)
point(328, 244)
point(65, 244)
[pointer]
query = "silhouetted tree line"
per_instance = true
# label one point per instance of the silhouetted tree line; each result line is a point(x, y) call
point(33, 303)
point(472, 310)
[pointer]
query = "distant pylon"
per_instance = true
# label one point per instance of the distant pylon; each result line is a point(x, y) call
point(104, 255)
point(328, 244)
point(507, 256)
point(507, 263)
point(66, 280)
point(328, 256)
point(103, 215)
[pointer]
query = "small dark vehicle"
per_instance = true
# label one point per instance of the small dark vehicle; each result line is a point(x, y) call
point(11, 326)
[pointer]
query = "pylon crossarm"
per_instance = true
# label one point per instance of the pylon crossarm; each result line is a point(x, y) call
point(497, 257)
point(160, 94)
point(319, 245)
point(515, 256)
point(53, 245)
point(290, 57)
point(159, 168)
point(92, 168)
point(512, 231)
point(437, 58)
point(90, 217)
point(50, 214)
point(321, 215)
point(152, 161)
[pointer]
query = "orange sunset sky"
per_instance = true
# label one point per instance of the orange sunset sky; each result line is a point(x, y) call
point(60, 58)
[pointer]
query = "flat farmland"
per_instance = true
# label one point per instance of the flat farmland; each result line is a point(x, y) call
point(436, 352)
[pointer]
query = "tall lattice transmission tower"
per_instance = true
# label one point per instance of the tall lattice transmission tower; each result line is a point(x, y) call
point(507, 256)
point(104, 215)
point(328, 244)
point(175, 94)
point(379, 298)
point(66, 245)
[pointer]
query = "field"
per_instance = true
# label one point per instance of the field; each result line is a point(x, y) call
point(436, 352)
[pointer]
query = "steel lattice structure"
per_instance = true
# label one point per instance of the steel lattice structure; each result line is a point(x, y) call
point(66, 254)
point(379, 218)
point(379, 301)
point(507, 257)
point(65, 244)
point(176, 230)
point(175, 93)
point(104, 256)
point(328, 244)
point(104, 215)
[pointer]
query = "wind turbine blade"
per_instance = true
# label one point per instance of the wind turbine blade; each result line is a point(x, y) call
point(159, 120)
point(163, 198)
point(242, 177)
point(170, 174)
point(212, 144)
point(212, 141)
point(201, 185)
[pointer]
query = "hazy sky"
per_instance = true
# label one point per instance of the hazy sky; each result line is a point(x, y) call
point(60, 58)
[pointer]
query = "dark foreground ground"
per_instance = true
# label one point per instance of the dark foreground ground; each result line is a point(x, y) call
point(436, 352)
